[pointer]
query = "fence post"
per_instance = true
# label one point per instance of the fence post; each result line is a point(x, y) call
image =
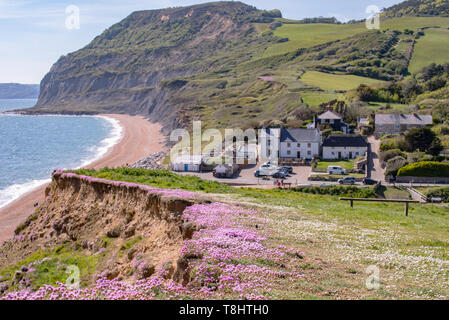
point(406, 209)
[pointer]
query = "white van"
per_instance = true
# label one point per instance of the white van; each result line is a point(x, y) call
point(336, 170)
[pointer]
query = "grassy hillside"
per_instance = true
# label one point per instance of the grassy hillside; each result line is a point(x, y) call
point(418, 8)
point(432, 47)
point(230, 64)
point(334, 82)
point(309, 35)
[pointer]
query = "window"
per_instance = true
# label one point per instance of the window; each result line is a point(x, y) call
point(333, 153)
point(309, 145)
point(289, 145)
point(289, 152)
point(299, 145)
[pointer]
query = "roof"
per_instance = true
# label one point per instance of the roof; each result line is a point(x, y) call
point(345, 140)
point(189, 159)
point(300, 135)
point(411, 119)
point(329, 115)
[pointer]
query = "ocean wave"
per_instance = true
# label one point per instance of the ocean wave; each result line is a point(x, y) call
point(15, 191)
point(106, 144)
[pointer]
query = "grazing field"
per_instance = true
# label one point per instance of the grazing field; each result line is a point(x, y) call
point(334, 82)
point(414, 23)
point(433, 47)
point(309, 35)
point(315, 98)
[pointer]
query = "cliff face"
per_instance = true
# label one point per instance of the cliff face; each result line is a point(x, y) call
point(130, 231)
point(133, 66)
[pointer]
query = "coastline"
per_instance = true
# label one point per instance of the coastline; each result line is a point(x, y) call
point(138, 139)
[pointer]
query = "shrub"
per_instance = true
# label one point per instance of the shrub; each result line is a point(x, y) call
point(390, 154)
point(425, 169)
point(393, 165)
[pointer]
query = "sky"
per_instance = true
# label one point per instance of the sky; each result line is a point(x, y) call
point(35, 33)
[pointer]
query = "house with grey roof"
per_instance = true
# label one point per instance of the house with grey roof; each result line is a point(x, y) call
point(344, 146)
point(300, 143)
point(293, 144)
point(400, 123)
point(332, 119)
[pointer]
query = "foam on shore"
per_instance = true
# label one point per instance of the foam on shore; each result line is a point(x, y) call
point(14, 192)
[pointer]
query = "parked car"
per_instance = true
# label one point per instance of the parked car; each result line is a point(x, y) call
point(279, 175)
point(261, 173)
point(287, 169)
point(347, 180)
point(336, 170)
point(370, 182)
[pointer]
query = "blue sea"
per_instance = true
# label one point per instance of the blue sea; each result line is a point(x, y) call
point(31, 147)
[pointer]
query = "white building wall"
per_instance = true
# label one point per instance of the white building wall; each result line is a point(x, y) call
point(331, 153)
point(306, 151)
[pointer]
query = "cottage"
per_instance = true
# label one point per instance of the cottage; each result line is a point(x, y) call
point(300, 143)
point(344, 146)
point(188, 163)
point(400, 123)
point(334, 120)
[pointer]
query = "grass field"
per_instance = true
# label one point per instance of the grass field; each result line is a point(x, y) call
point(348, 165)
point(309, 35)
point(315, 98)
point(433, 47)
point(333, 82)
point(381, 107)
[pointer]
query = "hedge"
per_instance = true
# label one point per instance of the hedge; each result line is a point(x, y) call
point(425, 169)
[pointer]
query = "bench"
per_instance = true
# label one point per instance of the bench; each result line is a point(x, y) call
point(407, 202)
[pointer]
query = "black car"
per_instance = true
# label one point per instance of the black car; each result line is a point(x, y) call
point(287, 169)
point(370, 182)
point(279, 175)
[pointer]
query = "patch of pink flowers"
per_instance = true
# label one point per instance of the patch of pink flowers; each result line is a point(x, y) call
point(228, 257)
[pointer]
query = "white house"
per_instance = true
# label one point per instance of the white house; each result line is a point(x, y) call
point(344, 146)
point(300, 143)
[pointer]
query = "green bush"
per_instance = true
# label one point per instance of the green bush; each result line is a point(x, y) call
point(393, 165)
point(390, 154)
point(425, 169)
